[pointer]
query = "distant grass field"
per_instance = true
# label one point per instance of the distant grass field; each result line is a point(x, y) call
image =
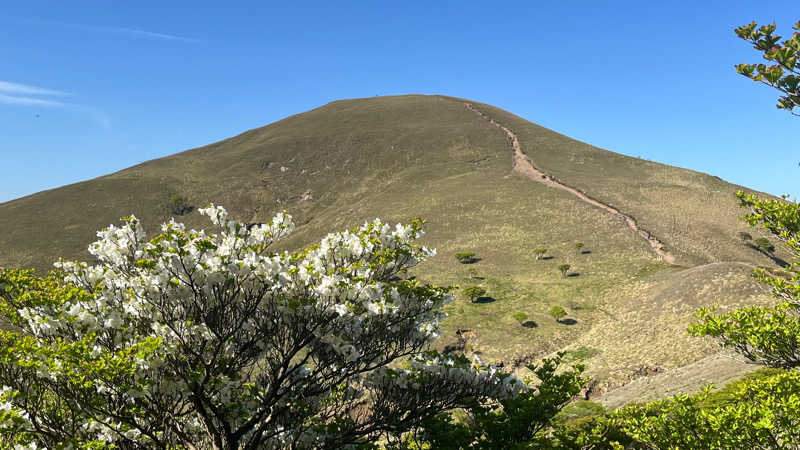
point(428, 156)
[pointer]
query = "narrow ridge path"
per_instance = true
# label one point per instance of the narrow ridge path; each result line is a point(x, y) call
point(522, 164)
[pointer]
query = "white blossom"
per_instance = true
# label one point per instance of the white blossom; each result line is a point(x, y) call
point(292, 325)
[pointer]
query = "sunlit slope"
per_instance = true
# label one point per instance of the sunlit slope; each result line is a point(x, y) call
point(329, 156)
point(695, 214)
point(346, 151)
point(429, 156)
point(650, 315)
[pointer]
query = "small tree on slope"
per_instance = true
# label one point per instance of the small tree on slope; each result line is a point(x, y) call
point(474, 292)
point(558, 313)
point(201, 340)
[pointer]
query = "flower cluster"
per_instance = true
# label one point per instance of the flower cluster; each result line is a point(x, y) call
point(178, 338)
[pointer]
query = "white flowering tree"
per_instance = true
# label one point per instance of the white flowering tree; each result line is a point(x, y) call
point(212, 340)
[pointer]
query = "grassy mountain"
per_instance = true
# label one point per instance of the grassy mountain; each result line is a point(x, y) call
point(434, 157)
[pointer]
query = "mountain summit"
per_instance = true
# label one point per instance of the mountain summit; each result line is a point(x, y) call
point(657, 242)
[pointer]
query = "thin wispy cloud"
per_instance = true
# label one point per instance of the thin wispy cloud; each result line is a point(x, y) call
point(108, 29)
point(95, 115)
point(30, 101)
point(130, 32)
point(25, 95)
point(22, 89)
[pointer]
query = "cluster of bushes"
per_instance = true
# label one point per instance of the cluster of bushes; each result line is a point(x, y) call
point(474, 292)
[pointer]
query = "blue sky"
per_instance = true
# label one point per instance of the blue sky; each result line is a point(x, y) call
point(88, 88)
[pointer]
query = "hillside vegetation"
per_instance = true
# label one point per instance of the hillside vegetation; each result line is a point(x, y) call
point(432, 157)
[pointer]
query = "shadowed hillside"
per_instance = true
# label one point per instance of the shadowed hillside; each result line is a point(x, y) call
point(433, 157)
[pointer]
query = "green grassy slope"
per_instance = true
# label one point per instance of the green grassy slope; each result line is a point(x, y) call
point(693, 213)
point(337, 153)
point(428, 156)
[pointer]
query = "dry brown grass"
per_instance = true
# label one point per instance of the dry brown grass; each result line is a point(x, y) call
point(651, 315)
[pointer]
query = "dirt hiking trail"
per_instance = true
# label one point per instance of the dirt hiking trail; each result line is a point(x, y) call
point(522, 164)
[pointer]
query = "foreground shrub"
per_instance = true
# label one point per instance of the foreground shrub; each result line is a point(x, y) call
point(761, 413)
point(212, 340)
point(524, 421)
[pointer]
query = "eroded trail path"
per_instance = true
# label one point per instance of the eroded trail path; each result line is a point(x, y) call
point(522, 164)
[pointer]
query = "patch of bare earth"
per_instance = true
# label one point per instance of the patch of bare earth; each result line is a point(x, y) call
point(714, 369)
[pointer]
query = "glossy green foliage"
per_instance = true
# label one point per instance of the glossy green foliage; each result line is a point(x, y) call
point(783, 73)
point(766, 335)
point(759, 411)
point(763, 413)
point(74, 370)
